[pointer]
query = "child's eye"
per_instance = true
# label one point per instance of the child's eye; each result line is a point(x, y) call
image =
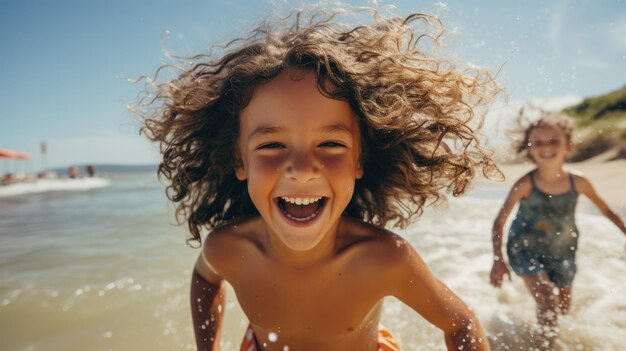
point(331, 144)
point(270, 146)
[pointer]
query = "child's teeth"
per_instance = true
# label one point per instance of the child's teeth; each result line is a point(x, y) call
point(301, 200)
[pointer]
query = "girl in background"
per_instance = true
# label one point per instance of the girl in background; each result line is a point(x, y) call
point(543, 237)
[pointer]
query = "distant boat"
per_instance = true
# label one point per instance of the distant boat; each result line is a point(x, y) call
point(45, 185)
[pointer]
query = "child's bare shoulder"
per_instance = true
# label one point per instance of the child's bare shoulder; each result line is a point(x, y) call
point(230, 241)
point(524, 181)
point(581, 182)
point(522, 187)
point(578, 175)
point(385, 259)
point(380, 246)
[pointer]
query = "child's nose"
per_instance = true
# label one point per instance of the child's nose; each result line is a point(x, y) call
point(302, 167)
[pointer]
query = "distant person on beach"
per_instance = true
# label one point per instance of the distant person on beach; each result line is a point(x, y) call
point(91, 170)
point(295, 149)
point(72, 172)
point(8, 178)
point(543, 237)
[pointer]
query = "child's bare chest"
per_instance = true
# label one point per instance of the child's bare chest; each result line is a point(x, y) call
point(329, 303)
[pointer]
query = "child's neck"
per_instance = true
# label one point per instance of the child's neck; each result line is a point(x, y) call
point(286, 256)
point(550, 174)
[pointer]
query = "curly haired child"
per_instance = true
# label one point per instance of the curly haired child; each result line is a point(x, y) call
point(543, 237)
point(295, 148)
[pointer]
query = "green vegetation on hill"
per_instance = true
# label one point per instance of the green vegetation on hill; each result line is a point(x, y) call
point(601, 123)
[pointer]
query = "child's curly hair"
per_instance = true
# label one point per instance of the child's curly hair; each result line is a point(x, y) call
point(413, 112)
point(557, 120)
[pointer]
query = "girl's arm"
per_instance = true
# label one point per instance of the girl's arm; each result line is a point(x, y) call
point(207, 299)
point(412, 282)
point(585, 187)
point(499, 269)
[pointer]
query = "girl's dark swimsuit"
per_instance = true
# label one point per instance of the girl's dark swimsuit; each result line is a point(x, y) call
point(543, 237)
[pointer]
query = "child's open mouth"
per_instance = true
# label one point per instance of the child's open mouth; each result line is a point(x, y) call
point(301, 209)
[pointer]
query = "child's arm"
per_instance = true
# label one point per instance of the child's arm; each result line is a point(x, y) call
point(585, 187)
point(415, 285)
point(499, 268)
point(207, 298)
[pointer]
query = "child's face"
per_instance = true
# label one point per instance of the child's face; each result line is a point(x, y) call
point(548, 146)
point(300, 156)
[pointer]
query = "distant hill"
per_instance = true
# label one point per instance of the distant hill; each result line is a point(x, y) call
point(601, 122)
point(600, 108)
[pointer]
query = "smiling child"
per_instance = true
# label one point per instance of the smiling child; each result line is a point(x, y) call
point(543, 238)
point(296, 148)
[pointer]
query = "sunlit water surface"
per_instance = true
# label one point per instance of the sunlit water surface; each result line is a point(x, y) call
point(104, 269)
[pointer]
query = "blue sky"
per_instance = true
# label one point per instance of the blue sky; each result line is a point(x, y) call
point(61, 61)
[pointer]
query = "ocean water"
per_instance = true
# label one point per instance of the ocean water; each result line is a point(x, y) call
point(52, 184)
point(105, 269)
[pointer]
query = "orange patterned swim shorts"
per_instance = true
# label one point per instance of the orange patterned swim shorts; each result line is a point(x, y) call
point(386, 341)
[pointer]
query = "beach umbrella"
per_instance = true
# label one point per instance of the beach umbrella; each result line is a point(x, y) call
point(16, 155)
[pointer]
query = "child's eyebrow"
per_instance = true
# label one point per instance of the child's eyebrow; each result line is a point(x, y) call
point(333, 128)
point(263, 130)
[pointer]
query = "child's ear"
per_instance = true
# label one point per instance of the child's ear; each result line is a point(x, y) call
point(569, 148)
point(240, 171)
point(359, 170)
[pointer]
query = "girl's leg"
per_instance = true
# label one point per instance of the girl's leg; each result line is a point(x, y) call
point(541, 289)
point(565, 298)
